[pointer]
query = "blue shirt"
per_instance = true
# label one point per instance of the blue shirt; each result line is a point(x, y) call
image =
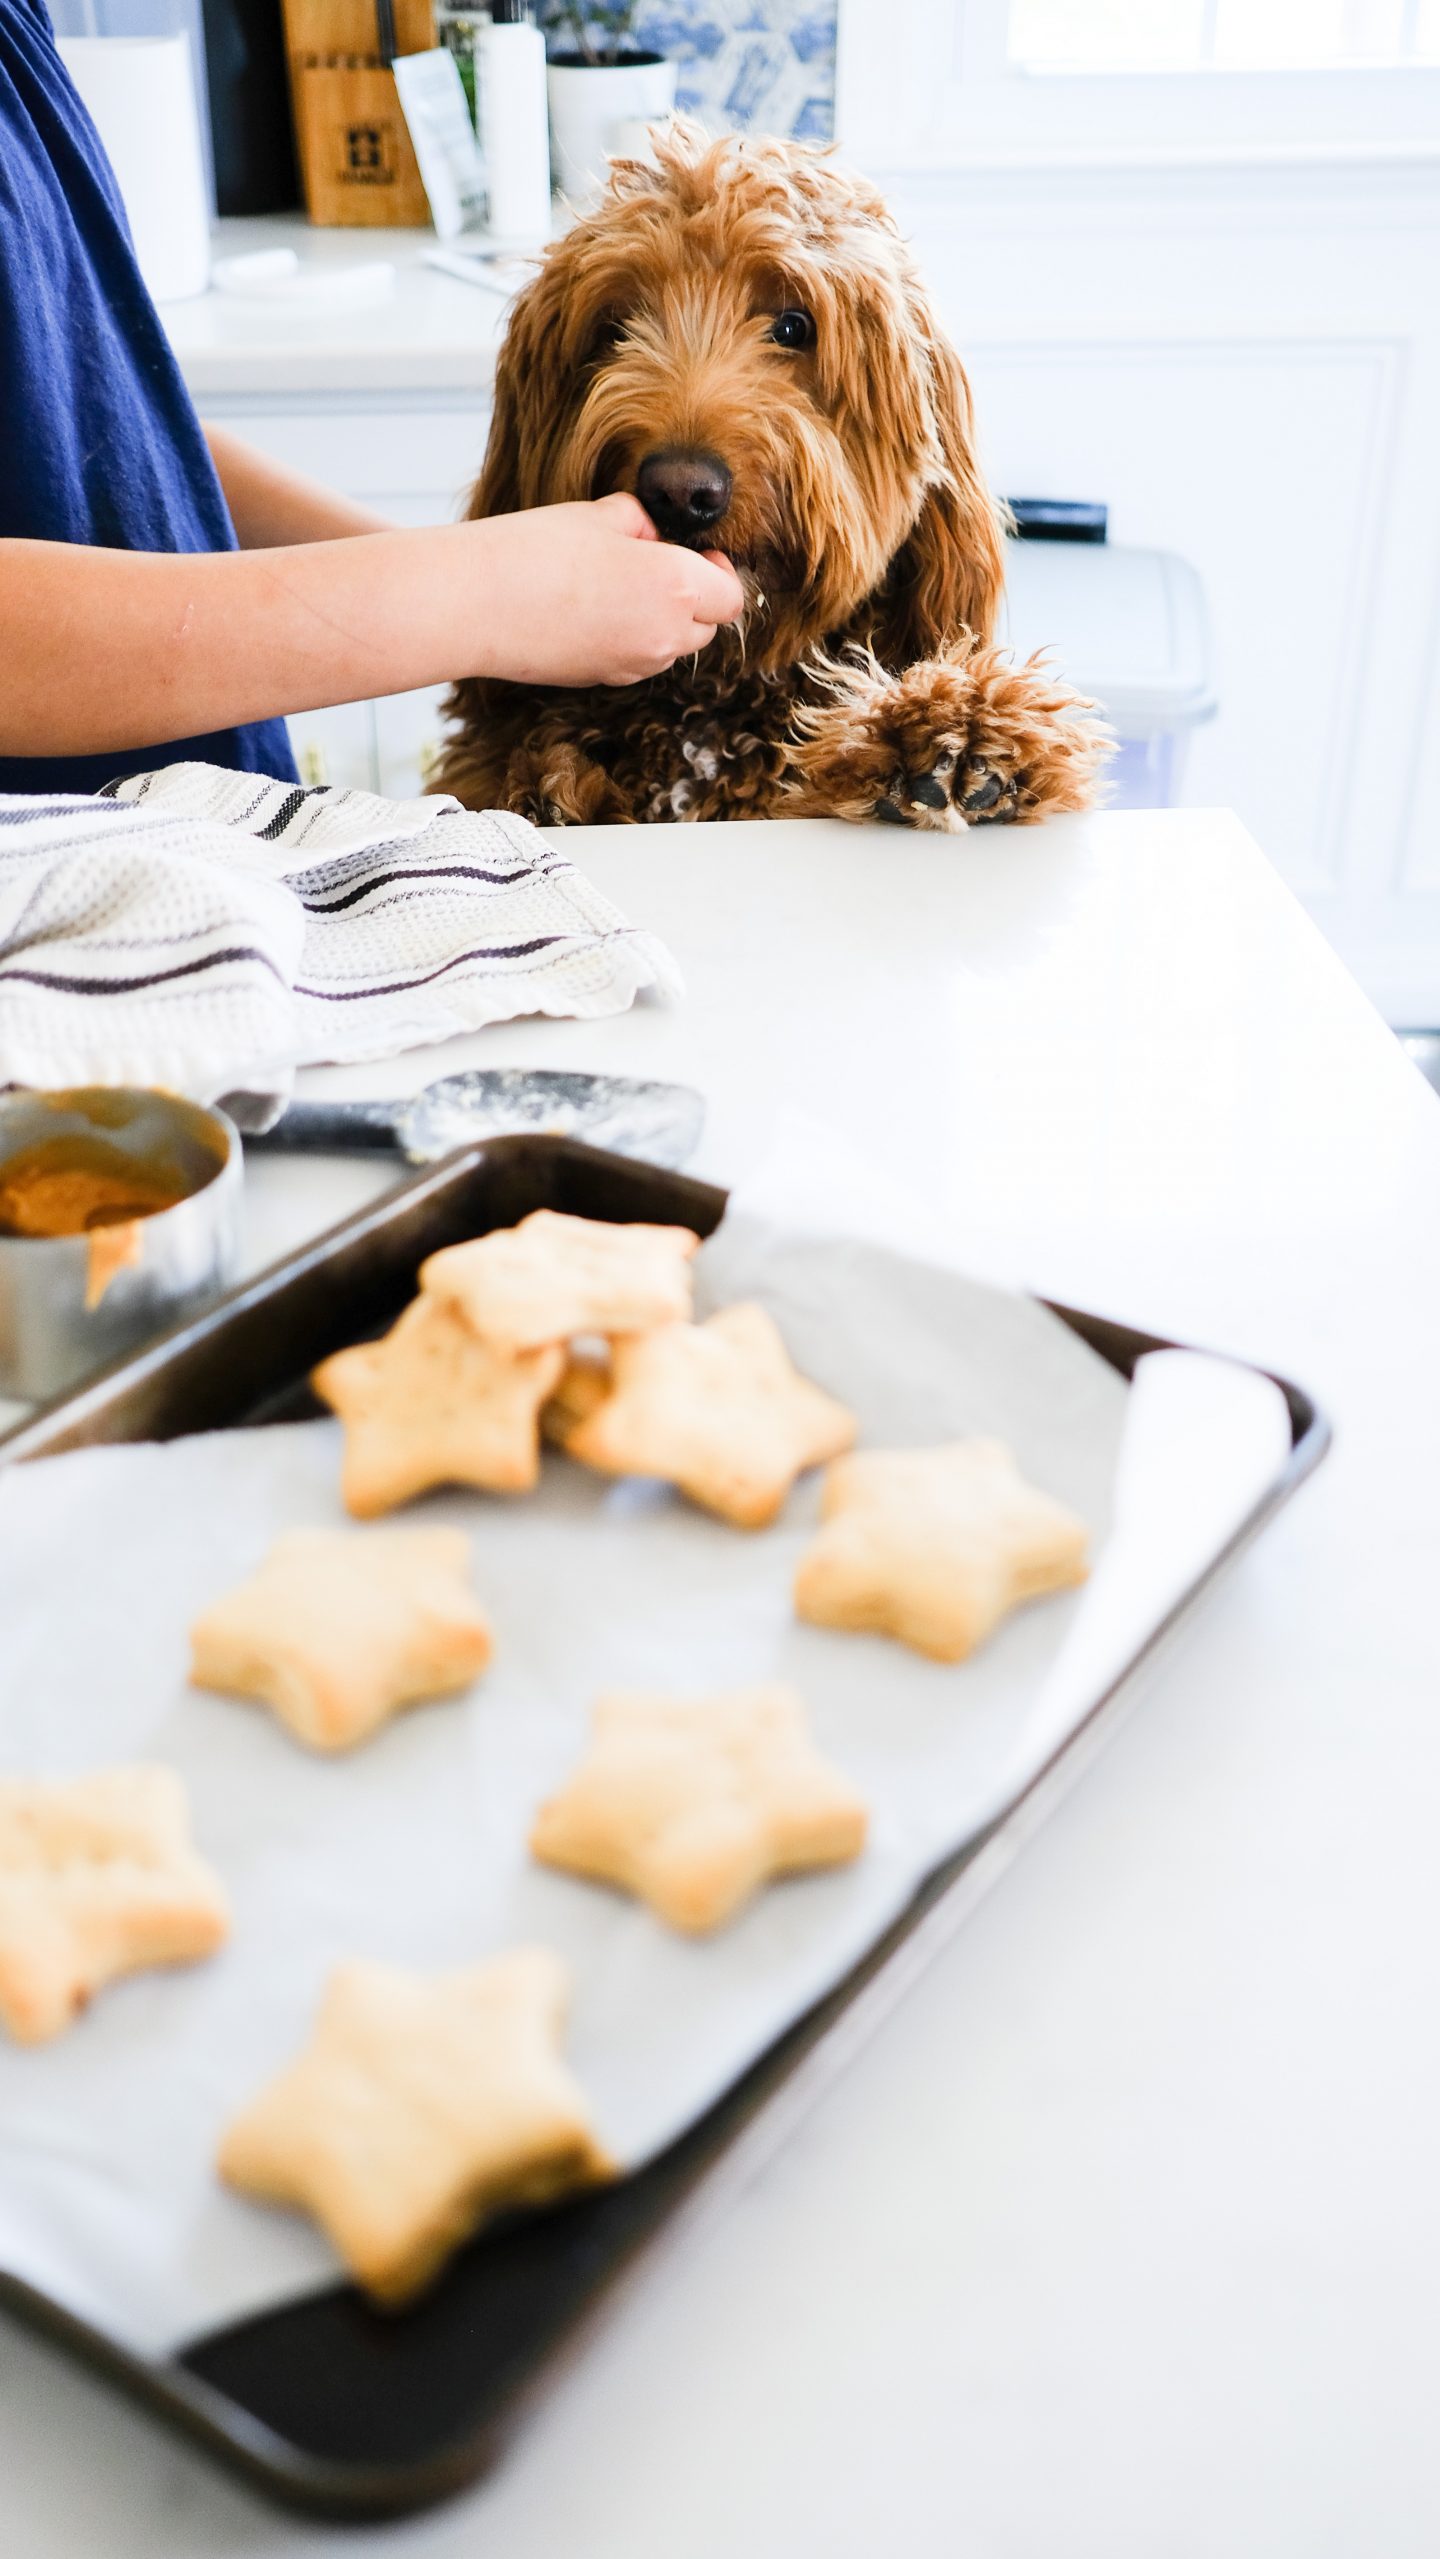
point(99, 442)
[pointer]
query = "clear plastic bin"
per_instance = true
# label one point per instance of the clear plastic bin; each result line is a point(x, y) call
point(1129, 628)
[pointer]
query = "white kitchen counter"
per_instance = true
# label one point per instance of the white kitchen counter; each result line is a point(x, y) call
point(430, 336)
point(1121, 2240)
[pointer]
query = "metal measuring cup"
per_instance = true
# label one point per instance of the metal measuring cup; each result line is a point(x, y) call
point(70, 1303)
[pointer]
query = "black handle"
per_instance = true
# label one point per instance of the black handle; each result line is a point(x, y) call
point(1059, 519)
point(335, 1128)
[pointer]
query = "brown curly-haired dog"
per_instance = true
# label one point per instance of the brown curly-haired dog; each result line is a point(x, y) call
point(738, 336)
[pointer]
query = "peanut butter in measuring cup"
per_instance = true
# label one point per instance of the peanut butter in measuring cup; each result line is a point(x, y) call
point(100, 1184)
point(81, 1184)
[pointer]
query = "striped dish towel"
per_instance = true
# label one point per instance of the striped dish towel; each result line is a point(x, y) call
point(213, 931)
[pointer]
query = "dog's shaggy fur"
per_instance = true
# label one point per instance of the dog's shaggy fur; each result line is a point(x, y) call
point(862, 680)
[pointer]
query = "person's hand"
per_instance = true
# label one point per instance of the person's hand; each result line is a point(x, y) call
point(589, 594)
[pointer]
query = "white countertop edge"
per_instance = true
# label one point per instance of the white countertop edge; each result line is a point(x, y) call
point(261, 376)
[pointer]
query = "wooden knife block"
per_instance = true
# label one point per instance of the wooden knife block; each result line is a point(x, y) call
point(356, 156)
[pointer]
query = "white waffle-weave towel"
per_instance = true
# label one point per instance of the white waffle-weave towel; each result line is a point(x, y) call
point(213, 931)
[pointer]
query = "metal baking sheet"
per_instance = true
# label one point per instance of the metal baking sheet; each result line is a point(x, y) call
point(325, 2402)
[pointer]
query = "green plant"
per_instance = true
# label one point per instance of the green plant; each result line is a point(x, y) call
point(599, 31)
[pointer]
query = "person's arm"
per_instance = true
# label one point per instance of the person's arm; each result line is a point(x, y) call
point(107, 650)
point(271, 507)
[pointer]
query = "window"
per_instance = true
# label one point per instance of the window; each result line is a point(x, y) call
point(1193, 35)
point(956, 83)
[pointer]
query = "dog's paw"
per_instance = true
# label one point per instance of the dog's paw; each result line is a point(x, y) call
point(560, 785)
point(960, 789)
point(967, 739)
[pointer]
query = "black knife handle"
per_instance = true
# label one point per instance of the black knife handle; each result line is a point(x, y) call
point(335, 1128)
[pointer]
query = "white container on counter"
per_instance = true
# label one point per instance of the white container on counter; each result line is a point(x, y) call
point(514, 125)
point(597, 109)
point(139, 92)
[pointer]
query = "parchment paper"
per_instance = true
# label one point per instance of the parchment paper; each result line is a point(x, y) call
point(412, 1849)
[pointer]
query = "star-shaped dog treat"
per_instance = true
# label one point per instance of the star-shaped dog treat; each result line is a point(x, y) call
point(340, 1627)
point(585, 1381)
point(551, 1277)
point(935, 1546)
point(424, 2103)
point(433, 1404)
point(694, 1803)
point(98, 1877)
point(715, 1408)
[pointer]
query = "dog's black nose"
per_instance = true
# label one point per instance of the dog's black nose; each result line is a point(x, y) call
point(683, 493)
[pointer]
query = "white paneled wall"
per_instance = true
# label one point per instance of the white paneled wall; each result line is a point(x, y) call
point(1244, 361)
point(1233, 455)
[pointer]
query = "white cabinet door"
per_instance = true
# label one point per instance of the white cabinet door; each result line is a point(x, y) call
point(336, 746)
point(417, 464)
point(407, 738)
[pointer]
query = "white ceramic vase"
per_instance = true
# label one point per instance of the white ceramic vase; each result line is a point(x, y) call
point(597, 109)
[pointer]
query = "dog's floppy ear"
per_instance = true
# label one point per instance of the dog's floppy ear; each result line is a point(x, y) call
point(531, 379)
point(951, 570)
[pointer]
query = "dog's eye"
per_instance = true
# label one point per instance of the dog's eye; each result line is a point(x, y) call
point(794, 329)
point(605, 337)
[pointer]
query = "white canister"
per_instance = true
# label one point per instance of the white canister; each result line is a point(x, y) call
point(514, 135)
point(595, 109)
point(140, 95)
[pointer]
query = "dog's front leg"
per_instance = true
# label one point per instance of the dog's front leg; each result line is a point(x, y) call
point(560, 785)
point(963, 739)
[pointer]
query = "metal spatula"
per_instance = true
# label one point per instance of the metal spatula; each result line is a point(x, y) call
point(659, 1122)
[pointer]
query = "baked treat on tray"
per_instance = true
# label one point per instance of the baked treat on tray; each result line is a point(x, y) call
point(432, 1404)
point(584, 1383)
point(695, 1803)
point(715, 1408)
point(552, 1277)
point(98, 1877)
point(341, 1627)
point(935, 1546)
point(423, 2104)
